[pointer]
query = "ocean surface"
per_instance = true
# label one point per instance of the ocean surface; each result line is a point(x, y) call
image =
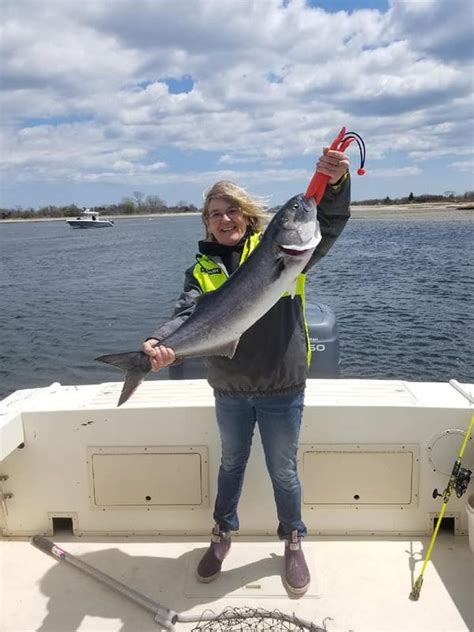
point(401, 291)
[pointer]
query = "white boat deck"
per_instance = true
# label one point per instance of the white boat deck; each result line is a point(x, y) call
point(371, 454)
point(358, 584)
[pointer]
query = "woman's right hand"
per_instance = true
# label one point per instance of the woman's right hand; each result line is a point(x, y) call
point(160, 356)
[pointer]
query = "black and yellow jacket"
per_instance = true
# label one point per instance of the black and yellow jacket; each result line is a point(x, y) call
point(272, 356)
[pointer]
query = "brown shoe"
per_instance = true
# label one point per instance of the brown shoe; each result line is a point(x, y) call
point(210, 565)
point(297, 577)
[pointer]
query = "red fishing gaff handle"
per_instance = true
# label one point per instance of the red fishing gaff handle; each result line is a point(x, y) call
point(319, 181)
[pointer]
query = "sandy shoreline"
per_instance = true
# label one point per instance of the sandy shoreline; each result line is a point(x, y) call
point(431, 212)
point(441, 212)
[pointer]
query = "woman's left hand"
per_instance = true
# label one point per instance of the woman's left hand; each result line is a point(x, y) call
point(333, 163)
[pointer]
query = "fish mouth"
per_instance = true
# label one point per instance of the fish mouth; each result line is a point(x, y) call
point(294, 250)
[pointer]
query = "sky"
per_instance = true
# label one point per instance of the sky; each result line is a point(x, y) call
point(101, 99)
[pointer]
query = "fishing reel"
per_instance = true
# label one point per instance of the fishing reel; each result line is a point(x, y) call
point(459, 481)
point(462, 481)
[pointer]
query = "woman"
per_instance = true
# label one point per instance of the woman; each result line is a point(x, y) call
point(264, 382)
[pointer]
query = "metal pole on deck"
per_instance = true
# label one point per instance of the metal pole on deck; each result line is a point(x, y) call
point(164, 616)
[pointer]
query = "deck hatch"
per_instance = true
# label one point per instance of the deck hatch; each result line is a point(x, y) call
point(360, 475)
point(148, 476)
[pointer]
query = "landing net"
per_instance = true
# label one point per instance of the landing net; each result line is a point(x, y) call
point(251, 619)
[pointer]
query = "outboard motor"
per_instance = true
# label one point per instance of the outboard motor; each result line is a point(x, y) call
point(323, 338)
point(324, 341)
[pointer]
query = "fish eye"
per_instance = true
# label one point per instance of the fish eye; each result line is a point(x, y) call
point(296, 205)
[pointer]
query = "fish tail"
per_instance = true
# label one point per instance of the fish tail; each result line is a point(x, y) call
point(136, 364)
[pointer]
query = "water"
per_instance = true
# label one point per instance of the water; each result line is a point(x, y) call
point(400, 291)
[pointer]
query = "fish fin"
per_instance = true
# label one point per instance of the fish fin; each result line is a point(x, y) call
point(227, 350)
point(124, 361)
point(292, 290)
point(135, 363)
point(133, 379)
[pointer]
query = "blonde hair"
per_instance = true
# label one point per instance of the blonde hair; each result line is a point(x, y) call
point(253, 209)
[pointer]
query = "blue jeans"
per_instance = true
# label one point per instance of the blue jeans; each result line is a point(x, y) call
point(279, 421)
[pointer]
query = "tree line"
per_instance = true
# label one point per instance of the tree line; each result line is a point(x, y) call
point(139, 204)
point(448, 196)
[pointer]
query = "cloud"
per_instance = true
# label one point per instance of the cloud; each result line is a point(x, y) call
point(463, 165)
point(401, 172)
point(435, 27)
point(119, 92)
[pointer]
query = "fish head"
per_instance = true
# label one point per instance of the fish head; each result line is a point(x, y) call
point(295, 230)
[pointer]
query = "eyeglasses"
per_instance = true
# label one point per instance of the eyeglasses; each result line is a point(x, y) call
point(216, 216)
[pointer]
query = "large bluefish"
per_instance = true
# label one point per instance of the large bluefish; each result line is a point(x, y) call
point(222, 316)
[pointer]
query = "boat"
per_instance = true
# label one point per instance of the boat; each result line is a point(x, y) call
point(121, 500)
point(89, 219)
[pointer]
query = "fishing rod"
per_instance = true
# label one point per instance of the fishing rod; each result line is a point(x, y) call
point(458, 482)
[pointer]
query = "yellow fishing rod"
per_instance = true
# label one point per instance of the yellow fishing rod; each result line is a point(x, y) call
point(458, 481)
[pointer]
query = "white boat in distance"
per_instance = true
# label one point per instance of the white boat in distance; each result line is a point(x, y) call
point(89, 219)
